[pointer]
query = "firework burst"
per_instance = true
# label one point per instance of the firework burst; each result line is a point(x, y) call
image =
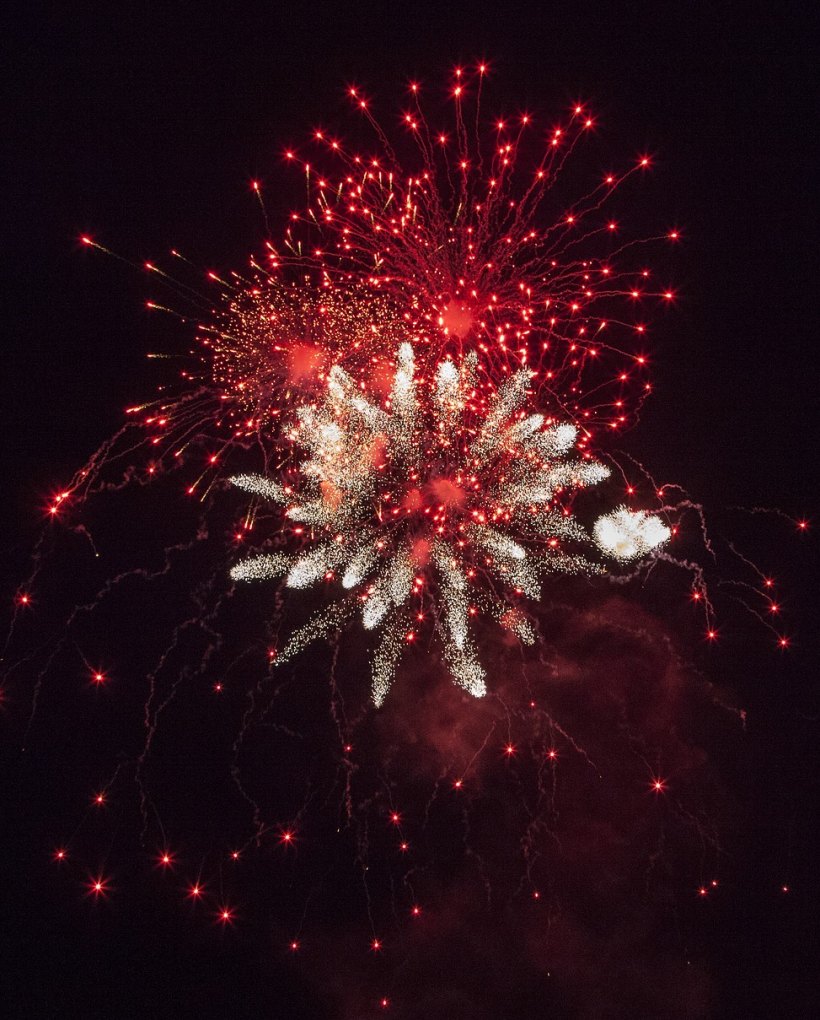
point(465, 232)
point(273, 342)
point(457, 238)
point(433, 506)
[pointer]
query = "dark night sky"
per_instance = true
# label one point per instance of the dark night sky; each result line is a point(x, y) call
point(142, 124)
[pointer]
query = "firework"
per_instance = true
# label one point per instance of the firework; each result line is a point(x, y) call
point(273, 342)
point(432, 506)
point(459, 226)
point(457, 238)
point(423, 375)
point(627, 534)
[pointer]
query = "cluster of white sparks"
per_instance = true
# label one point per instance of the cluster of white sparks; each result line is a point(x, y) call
point(435, 502)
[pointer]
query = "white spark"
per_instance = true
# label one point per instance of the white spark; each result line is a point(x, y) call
point(627, 534)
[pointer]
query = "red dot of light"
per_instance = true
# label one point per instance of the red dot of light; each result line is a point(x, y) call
point(375, 945)
point(98, 886)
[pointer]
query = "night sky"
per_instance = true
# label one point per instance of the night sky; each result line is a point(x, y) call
point(142, 125)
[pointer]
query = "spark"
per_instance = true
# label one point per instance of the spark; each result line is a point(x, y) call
point(627, 534)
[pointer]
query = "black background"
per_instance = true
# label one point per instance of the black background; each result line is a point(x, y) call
point(142, 125)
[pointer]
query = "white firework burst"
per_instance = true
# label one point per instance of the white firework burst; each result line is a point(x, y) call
point(627, 534)
point(435, 504)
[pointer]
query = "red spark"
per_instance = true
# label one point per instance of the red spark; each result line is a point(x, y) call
point(98, 887)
